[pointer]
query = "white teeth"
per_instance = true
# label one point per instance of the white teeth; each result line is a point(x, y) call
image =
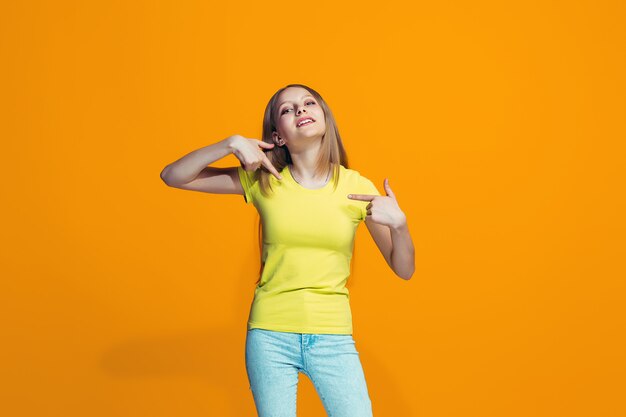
point(305, 121)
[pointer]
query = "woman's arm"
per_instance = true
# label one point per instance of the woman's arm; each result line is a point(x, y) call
point(387, 224)
point(396, 245)
point(187, 168)
point(402, 252)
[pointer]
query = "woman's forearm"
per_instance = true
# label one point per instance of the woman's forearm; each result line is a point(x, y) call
point(402, 252)
point(189, 166)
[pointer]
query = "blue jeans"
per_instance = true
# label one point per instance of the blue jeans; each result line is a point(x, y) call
point(331, 361)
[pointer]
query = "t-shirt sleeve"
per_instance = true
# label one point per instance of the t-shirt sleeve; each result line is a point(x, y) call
point(246, 179)
point(366, 186)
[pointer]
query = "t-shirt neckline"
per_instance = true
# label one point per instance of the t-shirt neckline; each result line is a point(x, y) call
point(302, 187)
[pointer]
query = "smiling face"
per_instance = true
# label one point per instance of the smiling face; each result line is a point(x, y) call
point(295, 104)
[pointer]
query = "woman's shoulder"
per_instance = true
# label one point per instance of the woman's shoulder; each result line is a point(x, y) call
point(349, 171)
point(352, 173)
point(364, 184)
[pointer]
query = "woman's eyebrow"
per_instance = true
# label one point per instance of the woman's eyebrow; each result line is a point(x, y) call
point(306, 95)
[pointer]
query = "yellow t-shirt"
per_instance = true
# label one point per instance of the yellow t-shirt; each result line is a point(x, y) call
point(308, 238)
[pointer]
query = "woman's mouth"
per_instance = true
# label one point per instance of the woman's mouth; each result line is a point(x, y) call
point(305, 122)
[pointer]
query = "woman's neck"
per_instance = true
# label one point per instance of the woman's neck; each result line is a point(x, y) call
point(308, 182)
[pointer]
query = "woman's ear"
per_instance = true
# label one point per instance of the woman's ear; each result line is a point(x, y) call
point(277, 140)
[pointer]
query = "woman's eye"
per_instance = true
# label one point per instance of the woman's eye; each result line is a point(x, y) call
point(284, 110)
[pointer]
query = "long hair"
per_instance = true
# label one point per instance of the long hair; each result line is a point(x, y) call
point(331, 154)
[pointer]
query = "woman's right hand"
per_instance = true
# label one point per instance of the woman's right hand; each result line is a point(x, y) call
point(250, 154)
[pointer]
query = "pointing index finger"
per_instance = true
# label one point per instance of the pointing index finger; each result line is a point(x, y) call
point(362, 197)
point(271, 167)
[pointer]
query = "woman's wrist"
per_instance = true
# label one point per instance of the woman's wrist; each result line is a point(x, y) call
point(231, 142)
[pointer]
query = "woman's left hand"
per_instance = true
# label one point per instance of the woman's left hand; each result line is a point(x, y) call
point(383, 209)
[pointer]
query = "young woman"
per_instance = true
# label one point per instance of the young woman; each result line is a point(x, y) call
point(310, 204)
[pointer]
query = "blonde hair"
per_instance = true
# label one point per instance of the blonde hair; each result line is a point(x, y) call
point(331, 155)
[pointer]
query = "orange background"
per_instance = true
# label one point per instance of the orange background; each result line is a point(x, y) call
point(499, 125)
